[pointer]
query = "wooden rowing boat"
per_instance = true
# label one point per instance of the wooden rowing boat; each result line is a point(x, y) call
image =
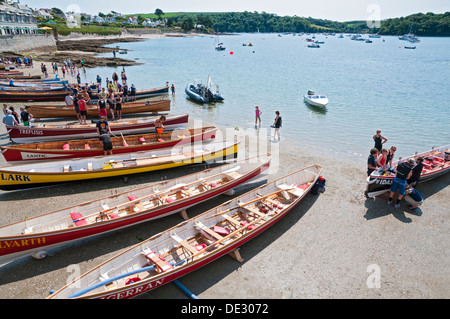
point(144, 94)
point(48, 132)
point(58, 111)
point(21, 77)
point(22, 96)
point(49, 173)
point(39, 234)
point(193, 243)
point(436, 162)
point(92, 147)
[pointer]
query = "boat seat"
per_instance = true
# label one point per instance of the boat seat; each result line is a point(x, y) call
point(221, 230)
point(76, 218)
point(234, 175)
point(208, 231)
point(161, 264)
point(184, 243)
point(255, 211)
point(231, 220)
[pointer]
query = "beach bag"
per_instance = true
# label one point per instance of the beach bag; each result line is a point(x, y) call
point(319, 186)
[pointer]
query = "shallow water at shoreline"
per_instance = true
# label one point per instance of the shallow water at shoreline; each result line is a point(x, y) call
point(371, 86)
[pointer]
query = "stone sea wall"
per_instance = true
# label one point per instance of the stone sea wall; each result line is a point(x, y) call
point(25, 43)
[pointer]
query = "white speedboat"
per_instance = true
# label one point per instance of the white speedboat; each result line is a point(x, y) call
point(317, 100)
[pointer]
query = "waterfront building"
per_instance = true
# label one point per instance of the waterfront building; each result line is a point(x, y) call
point(15, 21)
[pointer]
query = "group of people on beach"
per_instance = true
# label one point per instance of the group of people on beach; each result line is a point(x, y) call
point(11, 117)
point(112, 96)
point(18, 62)
point(407, 174)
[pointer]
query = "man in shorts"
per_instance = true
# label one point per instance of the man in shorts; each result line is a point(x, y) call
point(111, 105)
point(83, 110)
point(404, 172)
point(105, 139)
point(77, 108)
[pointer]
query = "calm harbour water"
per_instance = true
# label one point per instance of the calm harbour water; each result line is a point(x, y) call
point(371, 86)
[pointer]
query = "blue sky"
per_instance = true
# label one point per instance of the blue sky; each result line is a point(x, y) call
point(324, 9)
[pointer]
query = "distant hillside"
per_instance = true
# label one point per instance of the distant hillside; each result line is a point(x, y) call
point(429, 24)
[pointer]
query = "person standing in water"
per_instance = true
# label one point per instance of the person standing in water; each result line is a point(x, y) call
point(257, 116)
point(277, 125)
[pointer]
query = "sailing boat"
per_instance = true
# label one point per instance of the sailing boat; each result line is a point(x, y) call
point(204, 94)
point(410, 36)
point(219, 46)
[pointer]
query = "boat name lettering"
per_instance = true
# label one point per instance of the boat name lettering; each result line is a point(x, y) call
point(30, 131)
point(28, 155)
point(384, 181)
point(22, 242)
point(135, 291)
point(17, 178)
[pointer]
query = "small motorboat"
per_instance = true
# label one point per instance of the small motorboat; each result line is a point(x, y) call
point(313, 45)
point(316, 99)
point(411, 48)
point(200, 93)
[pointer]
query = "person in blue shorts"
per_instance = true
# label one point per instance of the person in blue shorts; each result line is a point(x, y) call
point(404, 172)
point(413, 197)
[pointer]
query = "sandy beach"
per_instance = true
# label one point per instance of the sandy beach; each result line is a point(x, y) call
point(327, 247)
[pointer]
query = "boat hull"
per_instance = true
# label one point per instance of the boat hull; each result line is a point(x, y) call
point(380, 184)
point(40, 152)
point(144, 94)
point(22, 177)
point(76, 289)
point(28, 244)
point(51, 111)
point(41, 133)
point(321, 103)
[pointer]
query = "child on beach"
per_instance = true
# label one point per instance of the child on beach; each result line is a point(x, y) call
point(257, 116)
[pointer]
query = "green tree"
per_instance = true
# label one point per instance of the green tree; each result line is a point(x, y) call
point(187, 24)
point(159, 13)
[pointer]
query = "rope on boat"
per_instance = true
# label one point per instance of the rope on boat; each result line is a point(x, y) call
point(185, 290)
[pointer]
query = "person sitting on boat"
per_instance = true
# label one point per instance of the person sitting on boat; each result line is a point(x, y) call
point(159, 124)
point(404, 172)
point(390, 156)
point(382, 159)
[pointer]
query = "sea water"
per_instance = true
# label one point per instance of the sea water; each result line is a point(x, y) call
point(380, 85)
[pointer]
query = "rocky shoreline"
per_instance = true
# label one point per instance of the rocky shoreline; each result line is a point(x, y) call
point(86, 50)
